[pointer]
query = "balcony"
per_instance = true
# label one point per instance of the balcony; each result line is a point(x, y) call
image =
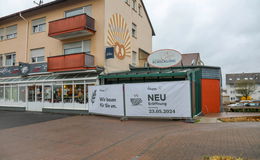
point(71, 27)
point(70, 62)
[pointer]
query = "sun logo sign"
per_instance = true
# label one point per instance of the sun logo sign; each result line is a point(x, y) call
point(119, 36)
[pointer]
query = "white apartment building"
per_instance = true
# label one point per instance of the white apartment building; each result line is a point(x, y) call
point(231, 79)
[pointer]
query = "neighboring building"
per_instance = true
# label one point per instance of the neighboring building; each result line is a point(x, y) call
point(49, 54)
point(191, 59)
point(231, 79)
point(225, 97)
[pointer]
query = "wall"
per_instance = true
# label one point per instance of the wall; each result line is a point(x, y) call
point(124, 16)
point(53, 46)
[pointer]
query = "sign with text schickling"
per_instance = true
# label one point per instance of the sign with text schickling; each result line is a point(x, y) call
point(163, 99)
point(106, 99)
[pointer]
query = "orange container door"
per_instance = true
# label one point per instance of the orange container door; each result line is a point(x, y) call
point(210, 94)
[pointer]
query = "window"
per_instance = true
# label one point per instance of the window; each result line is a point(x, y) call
point(48, 94)
point(67, 94)
point(79, 93)
point(1, 61)
point(134, 56)
point(140, 10)
point(77, 47)
point(8, 93)
point(74, 12)
point(22, 94)
point(134, 30)
point(57, 93)
point(38, 25)
point(10, 59)
point(2, 34)
point(15, 93)
point(37, 55)
point(11, 32)
point(134, 5)
point(1, 93)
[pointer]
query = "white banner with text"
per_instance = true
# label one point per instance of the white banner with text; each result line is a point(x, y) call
point(106, 99)
point(162, 99)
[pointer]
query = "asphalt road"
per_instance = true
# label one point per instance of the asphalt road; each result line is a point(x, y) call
point(15, 119)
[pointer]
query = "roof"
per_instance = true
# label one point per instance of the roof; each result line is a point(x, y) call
point(60, 1)
point(232, 78)
point(157, 72)
point(146, 13)
point(32, 9)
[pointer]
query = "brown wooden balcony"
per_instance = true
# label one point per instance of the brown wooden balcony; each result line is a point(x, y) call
point(71, 27)
point(70, 62)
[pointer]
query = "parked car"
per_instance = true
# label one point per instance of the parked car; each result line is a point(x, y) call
point(236, 105)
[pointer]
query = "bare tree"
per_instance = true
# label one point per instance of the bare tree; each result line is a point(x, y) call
point(245, 87)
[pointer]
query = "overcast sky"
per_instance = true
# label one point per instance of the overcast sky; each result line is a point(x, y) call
point(225, 32)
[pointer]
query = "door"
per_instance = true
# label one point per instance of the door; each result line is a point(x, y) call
point(35, 102)
point(210, 96)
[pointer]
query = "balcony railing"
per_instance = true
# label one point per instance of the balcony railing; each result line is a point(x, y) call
point(70, 62)
point(71, 27)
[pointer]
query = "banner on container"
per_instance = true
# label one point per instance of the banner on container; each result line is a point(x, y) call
point(163, 99)
point(106, 99)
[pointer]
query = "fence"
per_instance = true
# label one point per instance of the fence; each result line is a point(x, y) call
point(163, 100)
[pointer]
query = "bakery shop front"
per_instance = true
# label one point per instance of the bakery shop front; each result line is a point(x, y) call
point(30, 87)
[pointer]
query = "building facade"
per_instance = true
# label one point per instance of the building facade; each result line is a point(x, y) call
point(231, 79)
point(51, 53)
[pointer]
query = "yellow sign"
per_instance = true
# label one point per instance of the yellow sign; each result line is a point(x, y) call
point(119, 36)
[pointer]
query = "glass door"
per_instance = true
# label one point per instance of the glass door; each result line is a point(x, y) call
point(47, 96)
point(35, 101)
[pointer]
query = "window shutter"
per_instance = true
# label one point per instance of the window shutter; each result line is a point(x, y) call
point(72, 45)
point(11, 30)
point(38, 21)
point(37, 52)
point(87, 46)
point(2, 32)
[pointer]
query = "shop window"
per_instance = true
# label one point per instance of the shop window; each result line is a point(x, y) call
point(87, 10)
point(10, 59)
point(2, 34)
point(77, 47)
point(134, 57)
point(38, 25)
point(47, 94)
point(39, 93)
point(31, 93)
point(134, 30)
point(11, 32)
point(15, 93)
point(57, 94)
point(79, 93)
point(37, 55)
point(7, 93)
point(22, 94)
point(67, 94)
point(1, 93)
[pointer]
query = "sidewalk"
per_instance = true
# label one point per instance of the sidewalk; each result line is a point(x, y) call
point(213, 118)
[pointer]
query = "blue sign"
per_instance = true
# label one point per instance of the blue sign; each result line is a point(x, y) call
point(110, 53)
